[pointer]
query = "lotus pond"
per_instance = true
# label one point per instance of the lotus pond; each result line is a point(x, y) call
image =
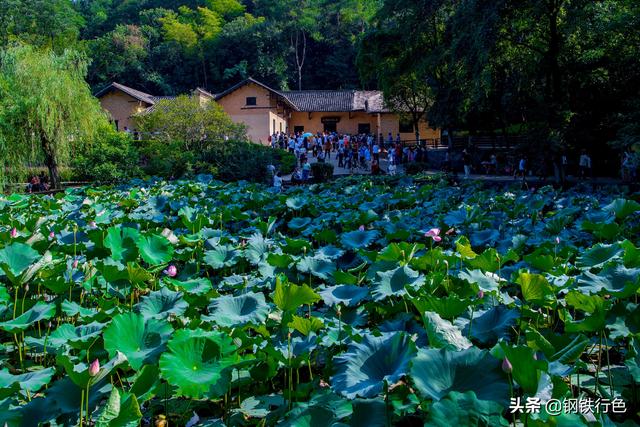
point(360, 302)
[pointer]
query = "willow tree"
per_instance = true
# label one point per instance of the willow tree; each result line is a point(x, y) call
point(46, 108)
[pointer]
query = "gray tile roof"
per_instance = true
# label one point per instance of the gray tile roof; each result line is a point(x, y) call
point(137, 94)
point(337, 100)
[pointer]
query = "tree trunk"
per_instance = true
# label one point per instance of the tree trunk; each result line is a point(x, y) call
point(52, 165)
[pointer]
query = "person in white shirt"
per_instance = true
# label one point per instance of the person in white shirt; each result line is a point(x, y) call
point(277, 182)
point(585, 164)
point(376, 152)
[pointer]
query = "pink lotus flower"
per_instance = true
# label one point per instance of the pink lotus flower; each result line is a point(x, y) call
point(94, 368)
point(480, 294)
point(75, 263)
point(52, 235)
point(434, 233)
point(14, 233)
point(92, 225)
point(450, 231)
point(506, 366)
point(171, 271)
point(361, 228)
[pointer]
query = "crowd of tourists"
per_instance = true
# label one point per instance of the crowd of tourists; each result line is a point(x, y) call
point(38, 183)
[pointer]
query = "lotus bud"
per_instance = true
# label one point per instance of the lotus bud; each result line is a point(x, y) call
point(535, 356)
point(52, 235)
point(171, 271)
point(506, 366)
point(92, 225)
point(450, 231)
point(14, 233)
point(324, 384)
point(557, 240)
point(94, 368)
point(361, 228)
point(26, 287)
point(480, 294)
point(75, 263)
point(49, 325)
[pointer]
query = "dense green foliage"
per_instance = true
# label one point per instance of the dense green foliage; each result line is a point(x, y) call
point(228, 160)
point(112, 158)
point(563, 72)
point(46, 108)
point(327, 304)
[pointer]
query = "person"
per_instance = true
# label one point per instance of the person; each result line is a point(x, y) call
point(327, 148)
point(306, 170)
point(585, 164)
point(277, 182)
point(296, 176)
point(271, 170)
point(376, 152)
point(522, 167)
point(466, 161)
point(446, 164)
point(341, 156)
point(375, 168)
point(392, 169)
point(321, 157)
point(493, 160)
point(390, 139)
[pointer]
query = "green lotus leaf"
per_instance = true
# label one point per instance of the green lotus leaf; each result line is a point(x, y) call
point(289, 297)
point(297, 224)
point(257, 249)
point(74, 309)
point(526, 368)
point(40, 311)
point(358, 239)
point(344, 294)
point(16, 258)
point(486, 281)
point(235, 311)
point(306, 326)
point(465, 410)
point(447, 307)
point(296, 202)
point(74, 336)
point(147, 383)
point(221, 257)
point(155, 249)
point(615, 280)
point(323, 409)
point(199, 286)
point(443, 334)
point(29, 381)
point(489, 325)
point(197, 362)
point(369, 413)
point(394, 282)
point(598, 255)
point(438, 372)
point(161, 304)
point(260, 406)
point(535, 287)
point(364, 368)
point(141, 341)
point(121, 241)
point(318, 266)
point(623, 208)
point(120, 410)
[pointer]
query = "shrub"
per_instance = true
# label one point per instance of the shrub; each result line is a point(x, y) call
point(112, 158)
point(322, 171)
point(415, 168)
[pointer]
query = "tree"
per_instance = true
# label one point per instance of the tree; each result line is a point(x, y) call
point(184, 119)
point(46, 107)
point(409, 94)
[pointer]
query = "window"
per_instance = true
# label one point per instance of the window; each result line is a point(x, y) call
point(298, 129)
point(406, 126)
point(330, 127)
point(251, 100)
point(364, 128)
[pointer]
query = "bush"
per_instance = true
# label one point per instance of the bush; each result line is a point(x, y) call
point(322, 172)
point(112, 158)
point(226, 160)
point(415, 168)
